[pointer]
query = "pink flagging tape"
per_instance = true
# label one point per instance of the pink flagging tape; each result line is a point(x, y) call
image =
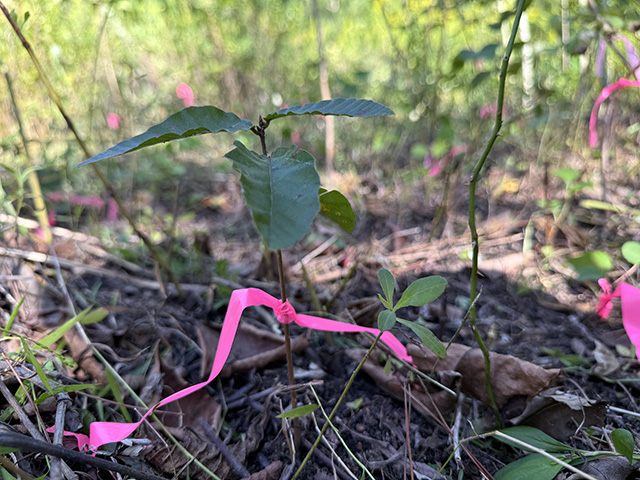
point(604, 94)
point(101, 433)
point(630, 299)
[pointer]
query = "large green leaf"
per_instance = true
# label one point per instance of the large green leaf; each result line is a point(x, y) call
point(350, 107)
point(281, 191)
point(534, 437)
point(422, 291)
point(531, 467)
point(337, 208)
point(186, 123)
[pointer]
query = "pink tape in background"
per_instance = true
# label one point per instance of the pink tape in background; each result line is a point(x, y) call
point(101, 433)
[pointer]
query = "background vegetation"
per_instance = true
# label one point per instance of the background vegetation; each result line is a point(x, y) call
point(434, 63)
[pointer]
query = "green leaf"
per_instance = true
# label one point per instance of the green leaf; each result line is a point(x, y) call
point(623, 443)
point(591, 265)
point(388, 283)
point(5, 450)
point(567, 175)
point(531, 467)
point(337, 208)
point(186, 123)
point(350, 107)
point(31, 358)
point(386, 320)
point(631, 252)
point(385, 302)
point(300, 411)
point(534, 437)
point(83, 317)
point(422, 291)
point(281, 191)
point(62, 388)
point(427, 337)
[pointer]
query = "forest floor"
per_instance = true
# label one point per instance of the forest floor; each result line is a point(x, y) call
point(557, 366)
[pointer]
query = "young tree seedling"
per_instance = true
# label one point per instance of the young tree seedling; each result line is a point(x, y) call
point(282, 189)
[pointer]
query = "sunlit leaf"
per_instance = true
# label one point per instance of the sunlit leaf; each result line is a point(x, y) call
point(281, 191)
point(298, 411)
point(85, 317)
point(567, 175)
point(337, 208)
point(186, 123)
point(591, 265)
point(631, 252)
point(350, 107)
point(422, 291)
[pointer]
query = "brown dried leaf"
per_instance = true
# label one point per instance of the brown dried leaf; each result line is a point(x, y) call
point(560, 414)
point(272, 472)
point(510, 376)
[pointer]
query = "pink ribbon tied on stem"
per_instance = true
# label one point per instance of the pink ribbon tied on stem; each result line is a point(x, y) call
point(630, 299)
point(101, 433)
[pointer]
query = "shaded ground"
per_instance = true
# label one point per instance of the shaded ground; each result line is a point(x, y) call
point(160, 341)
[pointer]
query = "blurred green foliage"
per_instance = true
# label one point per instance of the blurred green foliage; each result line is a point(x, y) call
point(434, 62)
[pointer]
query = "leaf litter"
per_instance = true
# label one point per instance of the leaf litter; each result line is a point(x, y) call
point(159, 345)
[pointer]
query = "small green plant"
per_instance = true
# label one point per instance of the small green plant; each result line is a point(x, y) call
point(421, 292)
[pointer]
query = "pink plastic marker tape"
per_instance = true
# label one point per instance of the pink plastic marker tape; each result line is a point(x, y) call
point(630, 299)
point(101, 433)
point(606, 92)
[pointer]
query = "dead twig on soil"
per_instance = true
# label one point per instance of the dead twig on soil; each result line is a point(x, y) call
point(235, 465)
point(27, 444)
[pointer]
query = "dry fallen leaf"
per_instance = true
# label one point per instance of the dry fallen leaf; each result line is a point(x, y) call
point(560, 414)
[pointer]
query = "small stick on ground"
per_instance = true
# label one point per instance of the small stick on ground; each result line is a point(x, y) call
point(234, 463)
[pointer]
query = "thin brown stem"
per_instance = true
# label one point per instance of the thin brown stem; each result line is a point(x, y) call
point(287, 344)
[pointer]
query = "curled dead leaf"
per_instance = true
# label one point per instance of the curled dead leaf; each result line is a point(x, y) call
point(510, 376)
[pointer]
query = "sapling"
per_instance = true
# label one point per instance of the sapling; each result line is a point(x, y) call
point(281, 188)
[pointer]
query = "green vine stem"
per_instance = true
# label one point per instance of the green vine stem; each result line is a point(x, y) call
point(472, 209)
point(157, 257)
point(335, 409)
